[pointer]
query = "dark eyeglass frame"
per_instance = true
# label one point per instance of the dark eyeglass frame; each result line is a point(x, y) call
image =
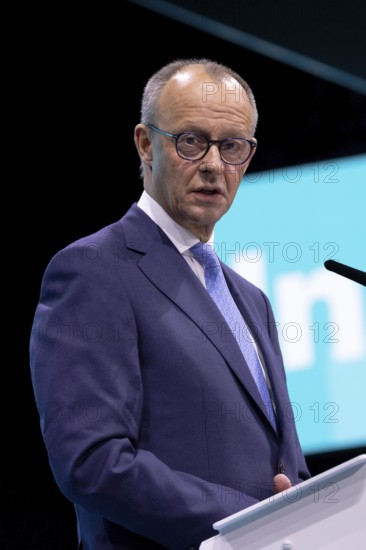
point(210, 142)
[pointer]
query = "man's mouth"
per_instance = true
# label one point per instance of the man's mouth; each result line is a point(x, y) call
point(208, 191)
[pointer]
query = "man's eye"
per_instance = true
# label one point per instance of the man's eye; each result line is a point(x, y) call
point(231, 146)
point(192, 140)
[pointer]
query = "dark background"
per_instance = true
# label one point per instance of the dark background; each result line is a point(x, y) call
point(80, 83)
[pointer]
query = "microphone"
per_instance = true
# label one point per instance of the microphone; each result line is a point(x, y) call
point(350, 272)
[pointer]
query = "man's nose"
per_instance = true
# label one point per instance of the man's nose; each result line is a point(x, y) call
point(212, 162)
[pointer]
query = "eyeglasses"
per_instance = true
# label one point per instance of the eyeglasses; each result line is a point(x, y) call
point(192, 146)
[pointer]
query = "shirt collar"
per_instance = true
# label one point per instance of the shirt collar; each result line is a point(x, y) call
point(180, 237)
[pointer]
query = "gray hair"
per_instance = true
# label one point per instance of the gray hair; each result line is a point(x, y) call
point(156, 84)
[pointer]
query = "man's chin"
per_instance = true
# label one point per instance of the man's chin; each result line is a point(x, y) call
point(199, 220)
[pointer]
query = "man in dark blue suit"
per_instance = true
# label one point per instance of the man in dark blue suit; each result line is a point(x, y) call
point(153, 423)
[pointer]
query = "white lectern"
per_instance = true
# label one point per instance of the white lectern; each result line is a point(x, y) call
point(327, 511)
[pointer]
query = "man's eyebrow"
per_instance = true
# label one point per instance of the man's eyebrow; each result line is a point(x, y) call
point(191, 128)
point(187, 128)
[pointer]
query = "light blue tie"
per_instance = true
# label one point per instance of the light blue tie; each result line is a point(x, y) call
point(220, 293)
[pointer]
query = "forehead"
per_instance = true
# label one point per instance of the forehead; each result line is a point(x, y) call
point(193, 94)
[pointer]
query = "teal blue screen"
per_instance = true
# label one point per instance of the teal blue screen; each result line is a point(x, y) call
point(281, 228)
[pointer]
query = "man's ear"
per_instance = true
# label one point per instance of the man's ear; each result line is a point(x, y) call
point(143, 144)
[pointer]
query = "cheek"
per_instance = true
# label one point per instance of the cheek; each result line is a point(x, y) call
point(170, 178)
point(178, 175)
point(162, 166)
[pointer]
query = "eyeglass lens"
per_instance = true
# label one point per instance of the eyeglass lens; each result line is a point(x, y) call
point(193, 146)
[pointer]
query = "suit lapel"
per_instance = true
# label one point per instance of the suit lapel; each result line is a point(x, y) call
point(165, 267)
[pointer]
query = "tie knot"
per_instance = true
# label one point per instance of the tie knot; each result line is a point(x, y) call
point(205, 254)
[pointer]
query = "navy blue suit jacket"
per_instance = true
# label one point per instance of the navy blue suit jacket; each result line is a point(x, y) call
point(152, 422)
